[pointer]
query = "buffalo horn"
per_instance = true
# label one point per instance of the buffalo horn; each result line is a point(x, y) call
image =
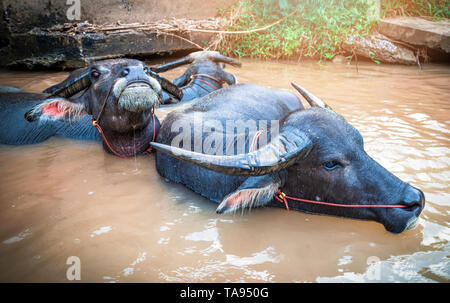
point(76, 82)
point(217, 57)
point(167, 85)
point(312, 100)
point(171, 65)
point(291, 145)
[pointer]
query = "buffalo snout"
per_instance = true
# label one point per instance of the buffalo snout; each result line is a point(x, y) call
point(398, 220)
point(136, 91)
point(414, 199)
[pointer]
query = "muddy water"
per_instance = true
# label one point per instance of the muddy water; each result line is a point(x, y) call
point(66, 198)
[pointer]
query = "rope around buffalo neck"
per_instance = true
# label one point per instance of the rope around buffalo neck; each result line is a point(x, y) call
point(195, 77)
point(104, 140)
point(282, 198)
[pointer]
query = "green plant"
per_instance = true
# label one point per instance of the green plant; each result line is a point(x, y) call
point(436, 9)
point(310, 28)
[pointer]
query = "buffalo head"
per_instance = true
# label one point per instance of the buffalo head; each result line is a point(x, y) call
point(205, 74)
point(317, 155)
point(197, 58)
point(120, 94)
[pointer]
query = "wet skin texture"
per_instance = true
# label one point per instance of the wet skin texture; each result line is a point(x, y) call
point(119, 93)
point(16, 130)
point(330, 163)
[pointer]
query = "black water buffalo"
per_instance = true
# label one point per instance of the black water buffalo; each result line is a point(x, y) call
point(314, 155)
point(118, 95)
point(205, 74)
point(9, 89)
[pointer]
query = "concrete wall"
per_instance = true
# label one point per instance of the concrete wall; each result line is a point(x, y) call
point(21, 47)
point(23, 15)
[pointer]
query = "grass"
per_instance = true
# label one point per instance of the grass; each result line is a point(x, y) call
point(316, 30)
point(310, 28)
point(437, 9)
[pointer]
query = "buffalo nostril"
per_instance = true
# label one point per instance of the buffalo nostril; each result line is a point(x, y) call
point(413, 198)
point(125, 72)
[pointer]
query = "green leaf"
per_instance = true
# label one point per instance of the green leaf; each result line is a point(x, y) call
point(284, 4)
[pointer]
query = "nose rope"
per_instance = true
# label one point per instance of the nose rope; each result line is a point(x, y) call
point(282, 198)
point(95, 121)
point(96, 124)
point(109, 93)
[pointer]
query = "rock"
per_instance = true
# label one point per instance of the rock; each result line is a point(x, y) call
point(29, 34)
point(42, 49)
point(419, 32)
point(24, 15)
point(38, 48)
point(339, 59)
point(378, 47)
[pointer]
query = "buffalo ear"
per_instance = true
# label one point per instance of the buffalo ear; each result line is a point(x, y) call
point(254, 192)
point(230, 79)
point(56, 109)
point(76, 82)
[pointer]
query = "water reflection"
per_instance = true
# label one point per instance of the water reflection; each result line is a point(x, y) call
point(216, 270)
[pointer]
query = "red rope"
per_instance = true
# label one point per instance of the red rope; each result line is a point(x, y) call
point(207, 76)
point(104, 140)
point(282, 197)
point(214, 88)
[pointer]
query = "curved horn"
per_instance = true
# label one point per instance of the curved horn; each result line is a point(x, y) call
point(76, 82)
point(312, 100)
point(221, 58)
point(282, 152)
point(167, 85)
point(171, 65)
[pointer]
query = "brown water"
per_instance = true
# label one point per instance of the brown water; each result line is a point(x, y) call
point(66, 198)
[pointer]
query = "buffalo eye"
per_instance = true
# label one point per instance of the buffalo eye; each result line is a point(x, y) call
point(95, 74)
point(330, 165)
point(125, 72)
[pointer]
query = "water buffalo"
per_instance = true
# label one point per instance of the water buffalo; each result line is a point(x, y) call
point(204, 75)
point(315, 155)
point(118, 95)
point(9, 89)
